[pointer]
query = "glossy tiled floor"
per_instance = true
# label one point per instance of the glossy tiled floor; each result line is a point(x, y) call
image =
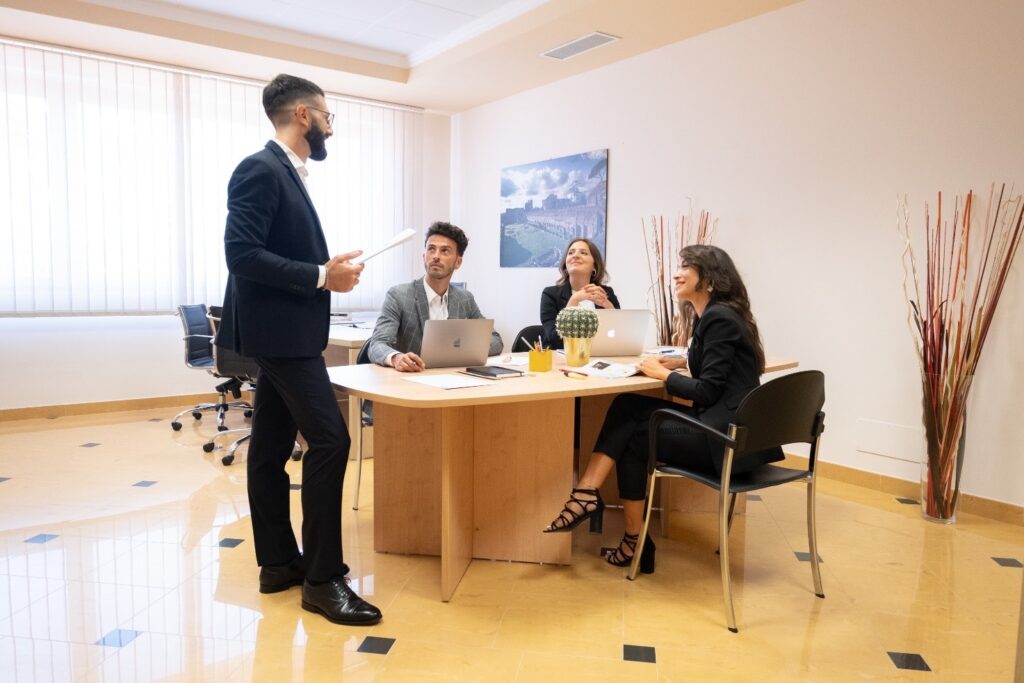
point(120, 560)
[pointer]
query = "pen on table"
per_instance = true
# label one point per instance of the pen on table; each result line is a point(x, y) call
point(571, 373)
point(540, 343)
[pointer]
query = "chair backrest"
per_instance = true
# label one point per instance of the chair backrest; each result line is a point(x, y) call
point(786, 410)
point(229, 363)
point(363, 357)
point(197, 333)
point(530, 334)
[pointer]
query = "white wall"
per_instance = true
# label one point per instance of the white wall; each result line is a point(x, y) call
point(51, 361)
point(799, 129)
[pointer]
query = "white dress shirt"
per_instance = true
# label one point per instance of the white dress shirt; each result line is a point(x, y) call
point(437, 309)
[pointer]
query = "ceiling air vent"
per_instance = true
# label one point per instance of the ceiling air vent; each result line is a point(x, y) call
point(581, 45)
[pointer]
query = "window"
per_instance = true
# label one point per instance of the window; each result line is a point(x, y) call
point(115, 177)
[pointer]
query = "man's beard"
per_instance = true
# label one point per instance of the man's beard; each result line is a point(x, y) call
point(317, 140)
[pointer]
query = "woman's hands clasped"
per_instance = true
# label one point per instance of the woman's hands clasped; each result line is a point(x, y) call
point(593, 293)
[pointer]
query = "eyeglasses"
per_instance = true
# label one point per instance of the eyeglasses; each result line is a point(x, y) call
point(329, 115)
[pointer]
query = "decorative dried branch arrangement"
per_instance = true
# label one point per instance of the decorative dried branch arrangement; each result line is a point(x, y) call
point(673, 323)
point(950, 311)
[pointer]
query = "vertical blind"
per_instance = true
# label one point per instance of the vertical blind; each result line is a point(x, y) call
point(113, 179)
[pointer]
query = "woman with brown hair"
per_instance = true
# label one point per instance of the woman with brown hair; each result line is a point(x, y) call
point(583, 279)
point(725, 360)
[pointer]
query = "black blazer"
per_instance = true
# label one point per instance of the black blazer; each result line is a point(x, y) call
point(723, 370)
point(552, 300)
point(273, 242)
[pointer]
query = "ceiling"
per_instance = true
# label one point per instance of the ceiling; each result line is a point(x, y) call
point(441, 55)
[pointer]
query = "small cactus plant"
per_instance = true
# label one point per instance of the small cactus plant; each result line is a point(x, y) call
point(577, 323)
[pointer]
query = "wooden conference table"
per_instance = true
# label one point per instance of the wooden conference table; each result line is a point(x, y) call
point(478, 472)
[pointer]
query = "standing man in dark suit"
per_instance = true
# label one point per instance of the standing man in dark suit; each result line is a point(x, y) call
point(277, 310)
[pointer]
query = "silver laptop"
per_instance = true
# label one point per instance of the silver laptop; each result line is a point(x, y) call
point(620, 332)
point(454, 343)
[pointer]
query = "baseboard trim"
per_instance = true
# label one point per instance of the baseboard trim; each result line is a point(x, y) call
point(50, 412)
point(969, 503)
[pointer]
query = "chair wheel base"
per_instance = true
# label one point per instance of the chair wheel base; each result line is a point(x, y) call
point(197, 415)
point(247, 413)
point(176, 426)
point(734, 630)
point(208, 447)
point(820, 595)
point(222, 428)
point(227, 459)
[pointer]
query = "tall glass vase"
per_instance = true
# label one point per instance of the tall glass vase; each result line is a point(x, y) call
point(945, 432)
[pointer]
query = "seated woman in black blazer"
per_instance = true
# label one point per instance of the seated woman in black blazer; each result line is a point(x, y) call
point(725, 359)
point(583, 278)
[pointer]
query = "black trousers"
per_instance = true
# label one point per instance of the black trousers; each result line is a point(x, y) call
point(296, 394)
point(624, 438)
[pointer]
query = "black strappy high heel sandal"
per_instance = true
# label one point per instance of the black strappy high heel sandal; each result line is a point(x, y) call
point(590, 508)
point(617, 556)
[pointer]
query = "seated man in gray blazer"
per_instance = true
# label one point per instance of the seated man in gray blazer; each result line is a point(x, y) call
point(398, 335)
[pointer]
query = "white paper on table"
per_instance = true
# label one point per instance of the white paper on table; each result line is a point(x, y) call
point(609, 370)
point(507, 360)
point(449, 381)
point(403, 236)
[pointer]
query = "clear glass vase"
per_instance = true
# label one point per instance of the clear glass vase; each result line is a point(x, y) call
point(577, 351)
point(945, 432)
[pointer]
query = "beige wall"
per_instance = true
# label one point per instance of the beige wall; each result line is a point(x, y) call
point(799, 129)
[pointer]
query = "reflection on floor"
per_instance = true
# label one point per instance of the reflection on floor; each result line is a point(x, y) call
point(126, 555)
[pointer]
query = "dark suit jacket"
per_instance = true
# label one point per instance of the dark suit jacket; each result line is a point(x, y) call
point(400, 325)
point(723, 370)
point(273, 242)
point(552, 300)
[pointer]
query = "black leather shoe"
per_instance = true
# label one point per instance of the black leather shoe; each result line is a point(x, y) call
point(338, 603)
point(282, 577)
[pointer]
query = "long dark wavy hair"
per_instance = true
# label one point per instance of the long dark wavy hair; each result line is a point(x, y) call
point(718, 275)
point(598, 277)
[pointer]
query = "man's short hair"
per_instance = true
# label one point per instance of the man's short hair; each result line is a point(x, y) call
point(283, 92)
point(452, 232)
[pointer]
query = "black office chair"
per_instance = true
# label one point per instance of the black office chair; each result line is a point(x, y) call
point(229, 363)
point(530, 333)
point(365, 420)
point(784, 411)
point(199, 356)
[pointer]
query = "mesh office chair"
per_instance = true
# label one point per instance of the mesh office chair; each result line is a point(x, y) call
point(365, 420)
point(199, 356)
point(529, 334)
point(229, 363)
point(784, 411)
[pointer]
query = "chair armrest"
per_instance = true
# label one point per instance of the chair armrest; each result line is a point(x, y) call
point(198, 336)
point(668, 414)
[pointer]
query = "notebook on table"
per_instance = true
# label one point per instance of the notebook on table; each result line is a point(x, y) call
point(454, 343)
point(620, 332)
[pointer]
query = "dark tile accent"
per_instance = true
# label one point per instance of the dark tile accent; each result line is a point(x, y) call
point(295, 487)
point(41, 538)
point(1008, 562)
point(145, 483)
point(375, 646)
point(908, 501)
point(89, 445)
point(753, 496)
point(806, 557)
point(230, 542)
point(2, 479)
point(119, 637)
point(638, 653)
point(909, 660)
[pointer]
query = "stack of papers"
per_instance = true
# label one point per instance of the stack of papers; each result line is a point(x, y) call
point(608, 370)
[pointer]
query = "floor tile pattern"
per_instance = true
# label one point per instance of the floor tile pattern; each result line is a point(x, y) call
point(160, 583)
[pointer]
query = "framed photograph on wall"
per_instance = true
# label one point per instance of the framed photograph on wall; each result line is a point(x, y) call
point(545, 204)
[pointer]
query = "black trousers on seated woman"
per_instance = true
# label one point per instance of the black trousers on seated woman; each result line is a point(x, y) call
point(624, 438)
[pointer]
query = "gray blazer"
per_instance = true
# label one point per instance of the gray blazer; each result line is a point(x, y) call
point(400, 325)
